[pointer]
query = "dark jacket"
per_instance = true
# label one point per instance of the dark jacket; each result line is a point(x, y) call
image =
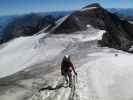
point(67, 66)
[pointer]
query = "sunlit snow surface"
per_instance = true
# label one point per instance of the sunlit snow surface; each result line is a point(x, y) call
point(102, 75)
point(26, 51)
point(108, 78)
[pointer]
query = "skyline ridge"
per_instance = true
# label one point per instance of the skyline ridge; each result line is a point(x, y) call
point(27, 6)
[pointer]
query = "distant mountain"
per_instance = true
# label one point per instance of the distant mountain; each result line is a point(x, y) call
point(119, 33)
point(29, 24)
point(4, 20)
point(129, 18)
point(124, 13)
point(1, 28)
point(55, 13)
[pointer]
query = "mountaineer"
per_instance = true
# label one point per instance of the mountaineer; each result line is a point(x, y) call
point(66, 69)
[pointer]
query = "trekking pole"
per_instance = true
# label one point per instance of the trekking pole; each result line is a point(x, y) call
point(77, 78)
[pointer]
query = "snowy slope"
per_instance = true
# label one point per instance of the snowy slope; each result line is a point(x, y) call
point(108, 77)
point(27, 51)
point(102, 75)
point(24, 52)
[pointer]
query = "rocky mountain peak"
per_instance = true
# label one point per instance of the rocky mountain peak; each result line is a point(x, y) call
point(97, 5)
point(118, 32)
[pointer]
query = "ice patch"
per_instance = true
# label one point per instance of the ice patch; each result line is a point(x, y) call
point(90, 8)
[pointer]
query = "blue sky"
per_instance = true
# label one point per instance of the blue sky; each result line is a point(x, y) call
point(9, 7)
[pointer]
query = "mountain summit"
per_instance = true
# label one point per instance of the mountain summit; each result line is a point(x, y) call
point(119, 33)
point(93, 5)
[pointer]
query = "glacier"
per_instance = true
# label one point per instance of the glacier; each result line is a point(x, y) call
point(30, 68)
